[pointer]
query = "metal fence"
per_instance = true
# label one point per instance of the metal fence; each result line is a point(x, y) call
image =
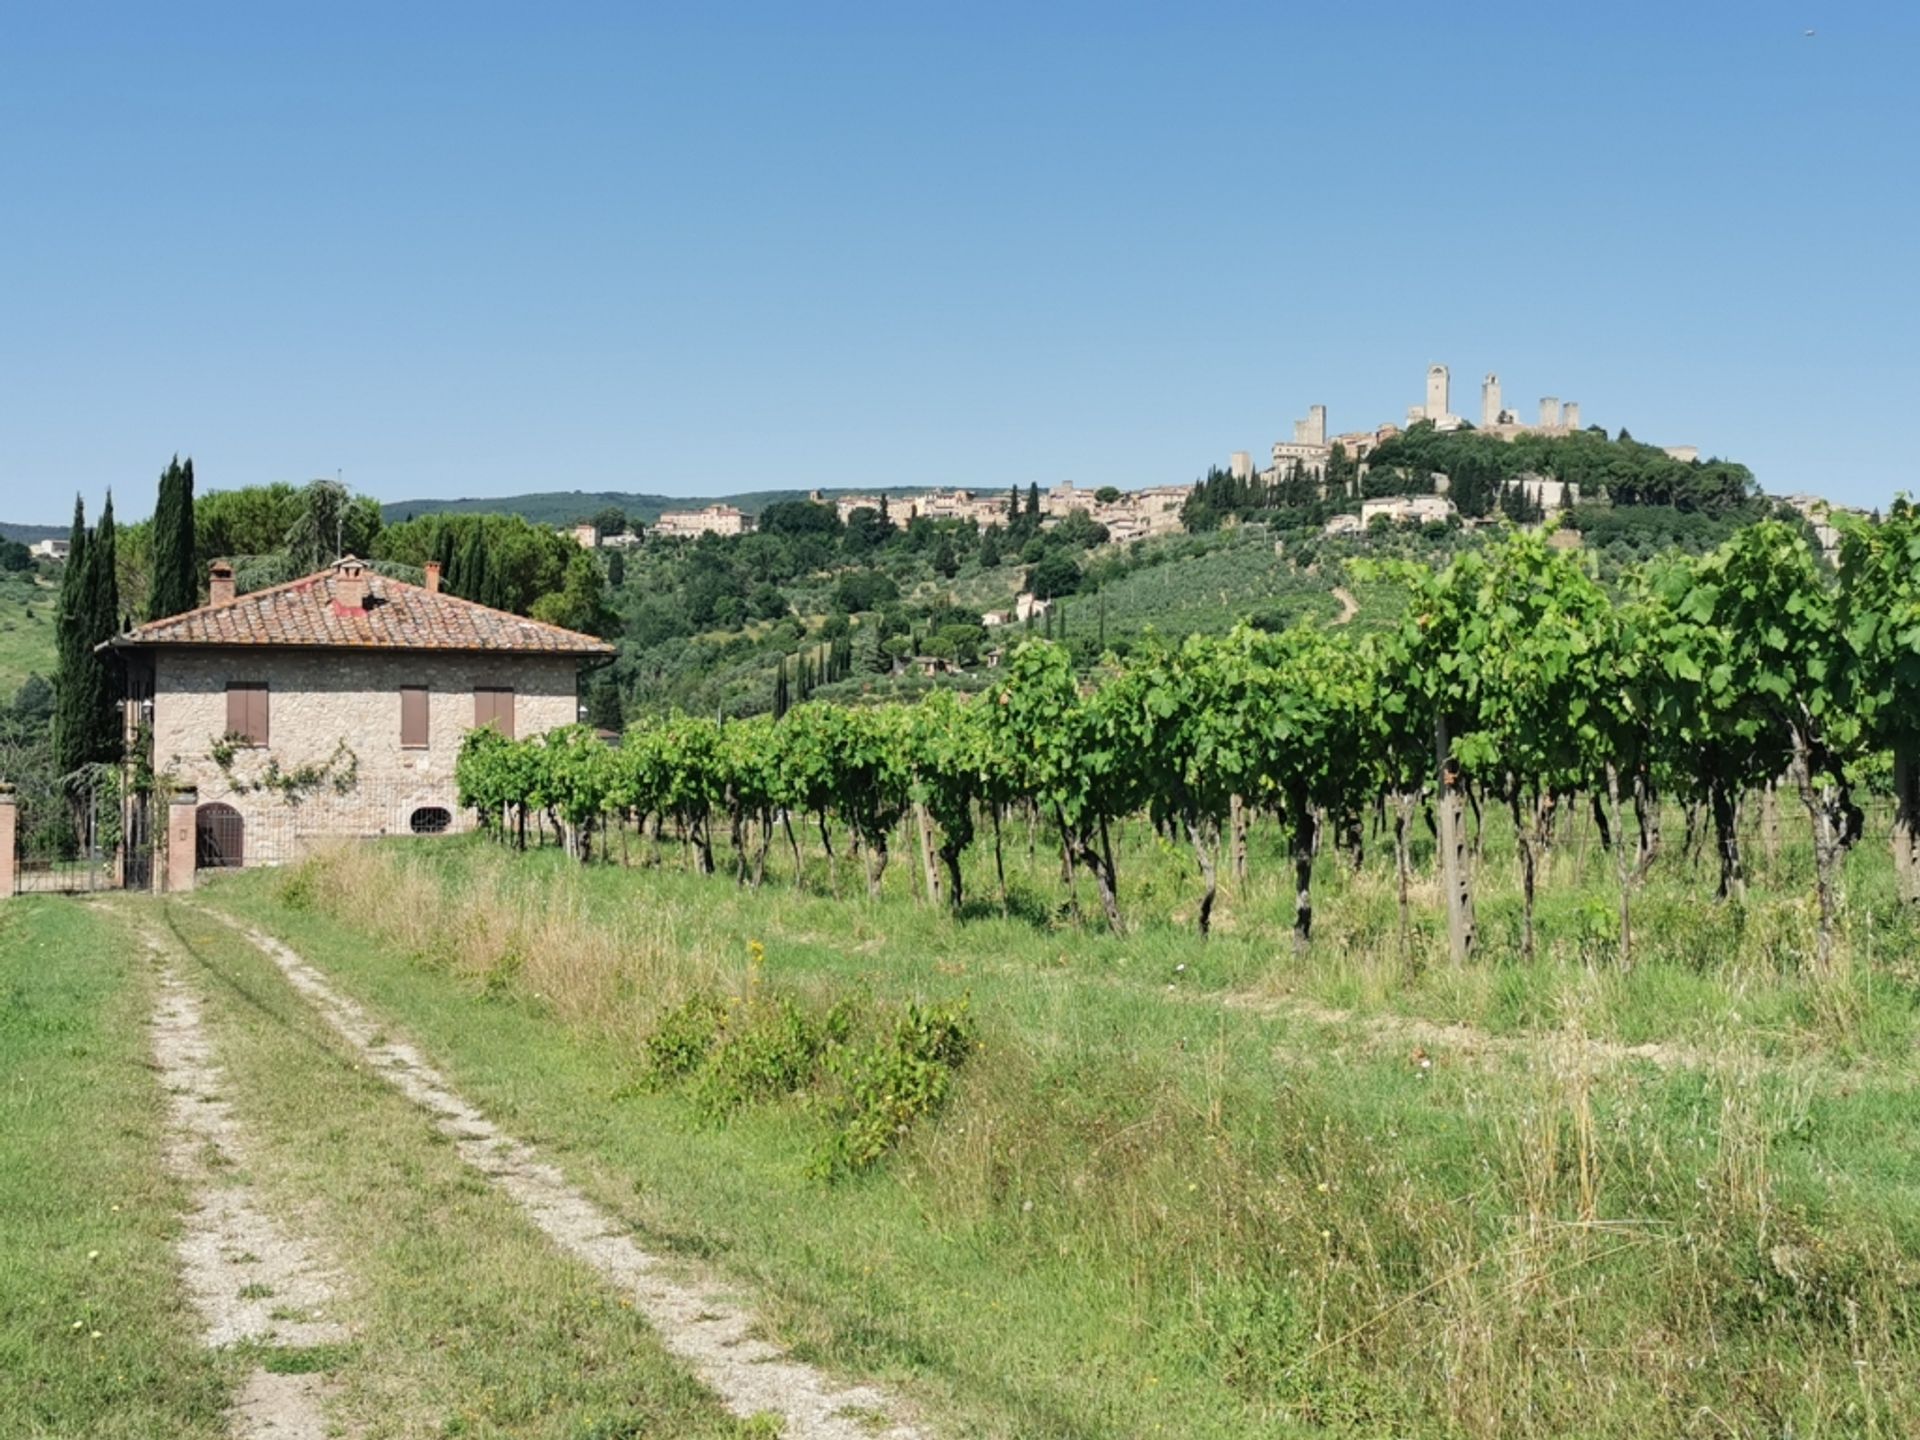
point(264, 827)
point(81, 833)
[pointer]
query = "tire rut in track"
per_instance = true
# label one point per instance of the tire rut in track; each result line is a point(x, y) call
point(250, 1279)
point(696, 1323)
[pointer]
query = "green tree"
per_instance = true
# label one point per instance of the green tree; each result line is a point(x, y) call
point(603, 704)
point(175, 585)
point(1056, 574)
point(330, 522)
point(580, 603)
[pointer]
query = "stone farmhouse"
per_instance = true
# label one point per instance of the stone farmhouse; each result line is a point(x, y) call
point(334, 705)
point(709, 519)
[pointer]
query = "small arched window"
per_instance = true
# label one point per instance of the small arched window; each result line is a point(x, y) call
point(431, 820)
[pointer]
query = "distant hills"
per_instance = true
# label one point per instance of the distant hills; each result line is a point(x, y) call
point(553, 507)
point(566, 507)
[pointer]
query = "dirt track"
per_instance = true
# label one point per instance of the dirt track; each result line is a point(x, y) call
point(709, 1330)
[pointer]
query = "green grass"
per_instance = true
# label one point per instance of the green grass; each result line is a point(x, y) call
point(1175, 1192)
point(94, 1339)
point(26, 632)
point(466, 1321)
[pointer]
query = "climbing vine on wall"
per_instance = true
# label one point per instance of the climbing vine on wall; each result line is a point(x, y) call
point(339, 772)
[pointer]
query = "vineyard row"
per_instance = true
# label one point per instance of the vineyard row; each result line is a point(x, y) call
point(1512, 678)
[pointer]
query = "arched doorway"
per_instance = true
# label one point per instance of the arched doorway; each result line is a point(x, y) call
point(219, 838)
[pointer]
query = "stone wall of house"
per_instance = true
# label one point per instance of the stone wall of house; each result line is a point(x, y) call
point(339, 712)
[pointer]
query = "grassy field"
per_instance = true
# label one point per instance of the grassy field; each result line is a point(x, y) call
point(1212, 1188)
point(92, 1340)
point(26, 632)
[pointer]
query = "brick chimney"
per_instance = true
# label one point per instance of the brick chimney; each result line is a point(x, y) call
point(433, 577)
point(220, 583)
point(350, 584)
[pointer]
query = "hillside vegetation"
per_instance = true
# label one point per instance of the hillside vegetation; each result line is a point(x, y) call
point(571, 507)
point(26, 630)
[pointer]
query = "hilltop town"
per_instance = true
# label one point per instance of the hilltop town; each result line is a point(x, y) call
point(1334, 463)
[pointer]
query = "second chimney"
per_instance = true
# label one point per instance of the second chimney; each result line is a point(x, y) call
point(219, 583)
point(433, 577)
point(350, 584)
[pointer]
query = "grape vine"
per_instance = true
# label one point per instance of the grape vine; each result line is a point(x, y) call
point(1513, 678)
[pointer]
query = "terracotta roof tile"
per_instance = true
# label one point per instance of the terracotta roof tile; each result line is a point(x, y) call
point(396, 616)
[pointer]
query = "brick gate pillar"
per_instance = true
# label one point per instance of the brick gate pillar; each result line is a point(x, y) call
point(9, 829)
point(176, 876)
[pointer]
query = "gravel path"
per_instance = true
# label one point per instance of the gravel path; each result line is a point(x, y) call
point(249, 1278)
point(696, 1322)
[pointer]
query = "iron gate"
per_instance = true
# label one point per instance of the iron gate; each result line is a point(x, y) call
point(69, 835)
point(81, 834)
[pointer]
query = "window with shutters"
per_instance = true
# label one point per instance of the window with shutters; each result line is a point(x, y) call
point(493, 705)
point(247, 710)
point(413, 717)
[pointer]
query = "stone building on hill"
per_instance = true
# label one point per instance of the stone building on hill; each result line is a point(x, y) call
point(708, 520)
point(334, 705)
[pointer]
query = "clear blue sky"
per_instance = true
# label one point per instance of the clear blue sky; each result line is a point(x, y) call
point(481, 248)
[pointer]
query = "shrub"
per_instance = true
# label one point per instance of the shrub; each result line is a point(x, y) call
point(888, 1084)
point(681, 1041)
point(767, 1048)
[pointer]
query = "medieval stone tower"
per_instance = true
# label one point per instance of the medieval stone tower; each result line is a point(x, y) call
point(1436, 392)
point(1490, 401)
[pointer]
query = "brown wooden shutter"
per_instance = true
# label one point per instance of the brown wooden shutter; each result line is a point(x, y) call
point(493, 705)
point(413, 717)
point(247, 710)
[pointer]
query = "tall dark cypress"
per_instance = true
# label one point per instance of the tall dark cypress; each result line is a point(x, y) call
point(176, 580)
point(103, 614)
point(443, 552)
point(86, 725)
point(70, 637)
point(471, 568)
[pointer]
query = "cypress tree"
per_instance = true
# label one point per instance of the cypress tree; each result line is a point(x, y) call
point(176, 582)
point(103, 608)
point(70, 630)
point(1033, 499)
point(86, 721)
point(469, 579)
